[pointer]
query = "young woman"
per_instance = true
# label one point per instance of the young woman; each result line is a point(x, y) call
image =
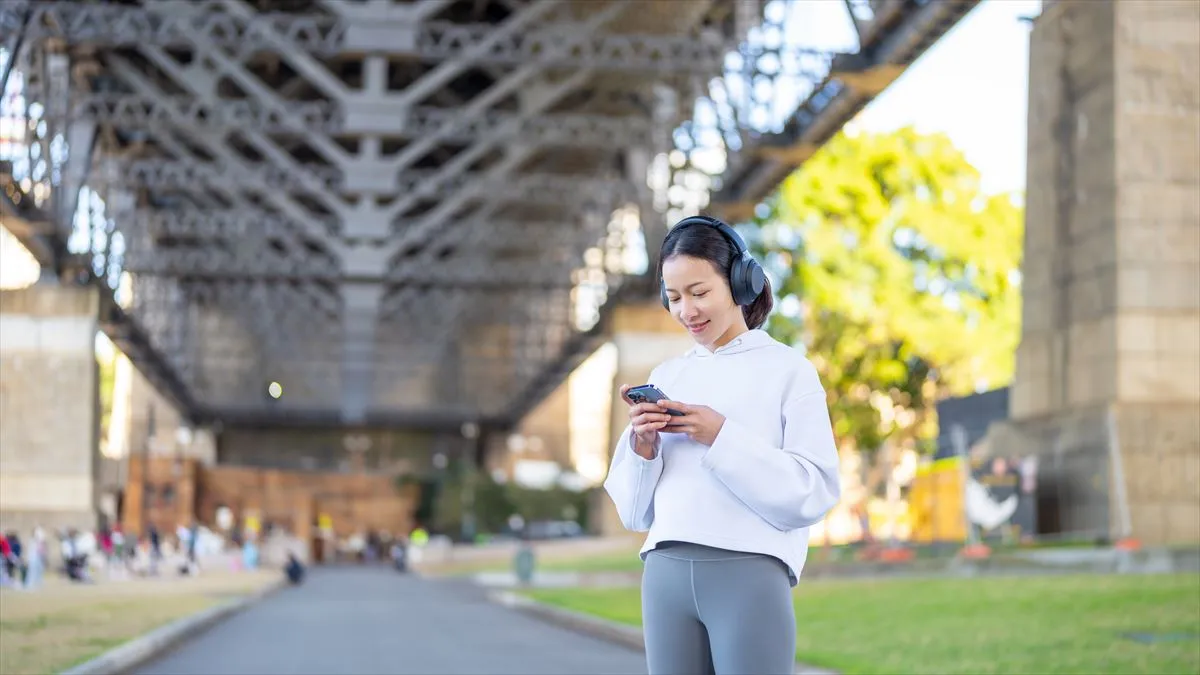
point(728, 489)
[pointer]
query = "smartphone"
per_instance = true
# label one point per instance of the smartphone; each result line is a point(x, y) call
point(648, 393)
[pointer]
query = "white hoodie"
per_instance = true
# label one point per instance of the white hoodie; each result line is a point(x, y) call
point(771, 472)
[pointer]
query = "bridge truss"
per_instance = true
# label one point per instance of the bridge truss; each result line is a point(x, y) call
point(406, 213)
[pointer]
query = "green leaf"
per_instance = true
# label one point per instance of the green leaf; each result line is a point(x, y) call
point(907, 275)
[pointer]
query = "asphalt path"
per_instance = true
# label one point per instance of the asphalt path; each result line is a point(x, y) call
point(366, 620)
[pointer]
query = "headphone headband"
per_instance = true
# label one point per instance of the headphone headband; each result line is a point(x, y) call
point(746, 277)
point(739, 245)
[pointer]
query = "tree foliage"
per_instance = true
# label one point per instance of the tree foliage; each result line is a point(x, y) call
point(492, 503)
point(899, 275)
point(107, 373)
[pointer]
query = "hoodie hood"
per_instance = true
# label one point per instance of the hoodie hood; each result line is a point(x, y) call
point(748, 341)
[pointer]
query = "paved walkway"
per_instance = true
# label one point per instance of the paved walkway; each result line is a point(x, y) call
point(373, 620)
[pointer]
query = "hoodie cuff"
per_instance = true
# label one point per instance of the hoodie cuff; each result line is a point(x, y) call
point(723, 450)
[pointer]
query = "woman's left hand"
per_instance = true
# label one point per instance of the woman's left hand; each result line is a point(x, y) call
point(700, 422)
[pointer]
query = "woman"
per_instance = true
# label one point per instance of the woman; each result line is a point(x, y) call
point(728, 489)
point(37, 559)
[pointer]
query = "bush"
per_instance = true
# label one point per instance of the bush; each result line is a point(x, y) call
point(494, 503)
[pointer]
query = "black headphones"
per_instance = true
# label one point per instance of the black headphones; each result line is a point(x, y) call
point(746, 277)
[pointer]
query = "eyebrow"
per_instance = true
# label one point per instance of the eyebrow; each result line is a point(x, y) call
point(690, 286)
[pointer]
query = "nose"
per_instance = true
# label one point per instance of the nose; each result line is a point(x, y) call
point(687, 310)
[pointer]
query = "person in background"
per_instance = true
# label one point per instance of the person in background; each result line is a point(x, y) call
point(416, 544)
point(38, 558)
point(104, 539)
point(155, 540)
point(5, 564)
point(294, 569)
point(15, 561)
point(399, 555)
point(250, 553)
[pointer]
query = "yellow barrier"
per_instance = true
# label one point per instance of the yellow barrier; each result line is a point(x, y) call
point(935, 502)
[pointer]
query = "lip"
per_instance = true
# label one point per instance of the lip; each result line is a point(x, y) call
point(697, 328)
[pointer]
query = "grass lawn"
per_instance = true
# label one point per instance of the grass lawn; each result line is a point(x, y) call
point(619, 561)
point(1053, 624)
point(613, 561)
point(628, 560)
point(61, 625)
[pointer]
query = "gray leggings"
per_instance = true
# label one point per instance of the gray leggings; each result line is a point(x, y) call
point(708, 610)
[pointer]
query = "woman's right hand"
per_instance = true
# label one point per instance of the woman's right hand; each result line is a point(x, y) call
point(647, 419)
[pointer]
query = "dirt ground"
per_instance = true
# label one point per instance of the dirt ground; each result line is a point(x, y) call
point(63, 624)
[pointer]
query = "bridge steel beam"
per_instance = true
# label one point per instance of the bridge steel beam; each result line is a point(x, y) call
point(376, 188)
point(898, 34)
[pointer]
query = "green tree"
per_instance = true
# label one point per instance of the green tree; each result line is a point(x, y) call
point(900, 276)
point(493, 503)
point(107, 373)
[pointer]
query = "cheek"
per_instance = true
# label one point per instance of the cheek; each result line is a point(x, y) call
point(729, 311)
point(717, 306)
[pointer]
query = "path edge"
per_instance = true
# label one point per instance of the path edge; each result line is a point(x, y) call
point(146, 647)
point(611, 631)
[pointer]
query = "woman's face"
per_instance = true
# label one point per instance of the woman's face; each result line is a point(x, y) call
point(700, 300)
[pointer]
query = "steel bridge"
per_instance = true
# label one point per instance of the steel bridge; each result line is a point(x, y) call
point(409, 213)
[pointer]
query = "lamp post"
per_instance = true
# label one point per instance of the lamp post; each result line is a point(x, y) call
point(470, 432)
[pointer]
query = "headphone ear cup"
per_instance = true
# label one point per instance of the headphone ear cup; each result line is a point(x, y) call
point(746, 280)
point(739, 282)
point(756, 278)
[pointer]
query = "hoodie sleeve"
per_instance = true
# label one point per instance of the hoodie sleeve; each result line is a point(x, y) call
point(631, 481)
point(792, 486)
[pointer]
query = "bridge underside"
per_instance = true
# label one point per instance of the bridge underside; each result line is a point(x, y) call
point(408, 214)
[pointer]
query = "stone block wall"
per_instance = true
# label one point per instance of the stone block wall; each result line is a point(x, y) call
point(1157, 209)
point(153, 425)
point(1111, 320)
point(49, 407)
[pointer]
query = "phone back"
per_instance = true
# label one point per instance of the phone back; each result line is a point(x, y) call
point(646, 393)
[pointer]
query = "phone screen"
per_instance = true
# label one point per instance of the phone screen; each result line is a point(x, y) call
point(648, 393)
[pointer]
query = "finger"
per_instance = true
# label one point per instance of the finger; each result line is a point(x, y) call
point(655, 418)
point(649, 408)
point(676, 405)
point(647, 428)
point(636, 412)
point(624, 390)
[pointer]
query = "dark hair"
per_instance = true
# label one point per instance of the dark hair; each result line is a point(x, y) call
point(707, 243)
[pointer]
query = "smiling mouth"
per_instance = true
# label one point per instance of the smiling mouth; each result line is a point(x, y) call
point(697, 327)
